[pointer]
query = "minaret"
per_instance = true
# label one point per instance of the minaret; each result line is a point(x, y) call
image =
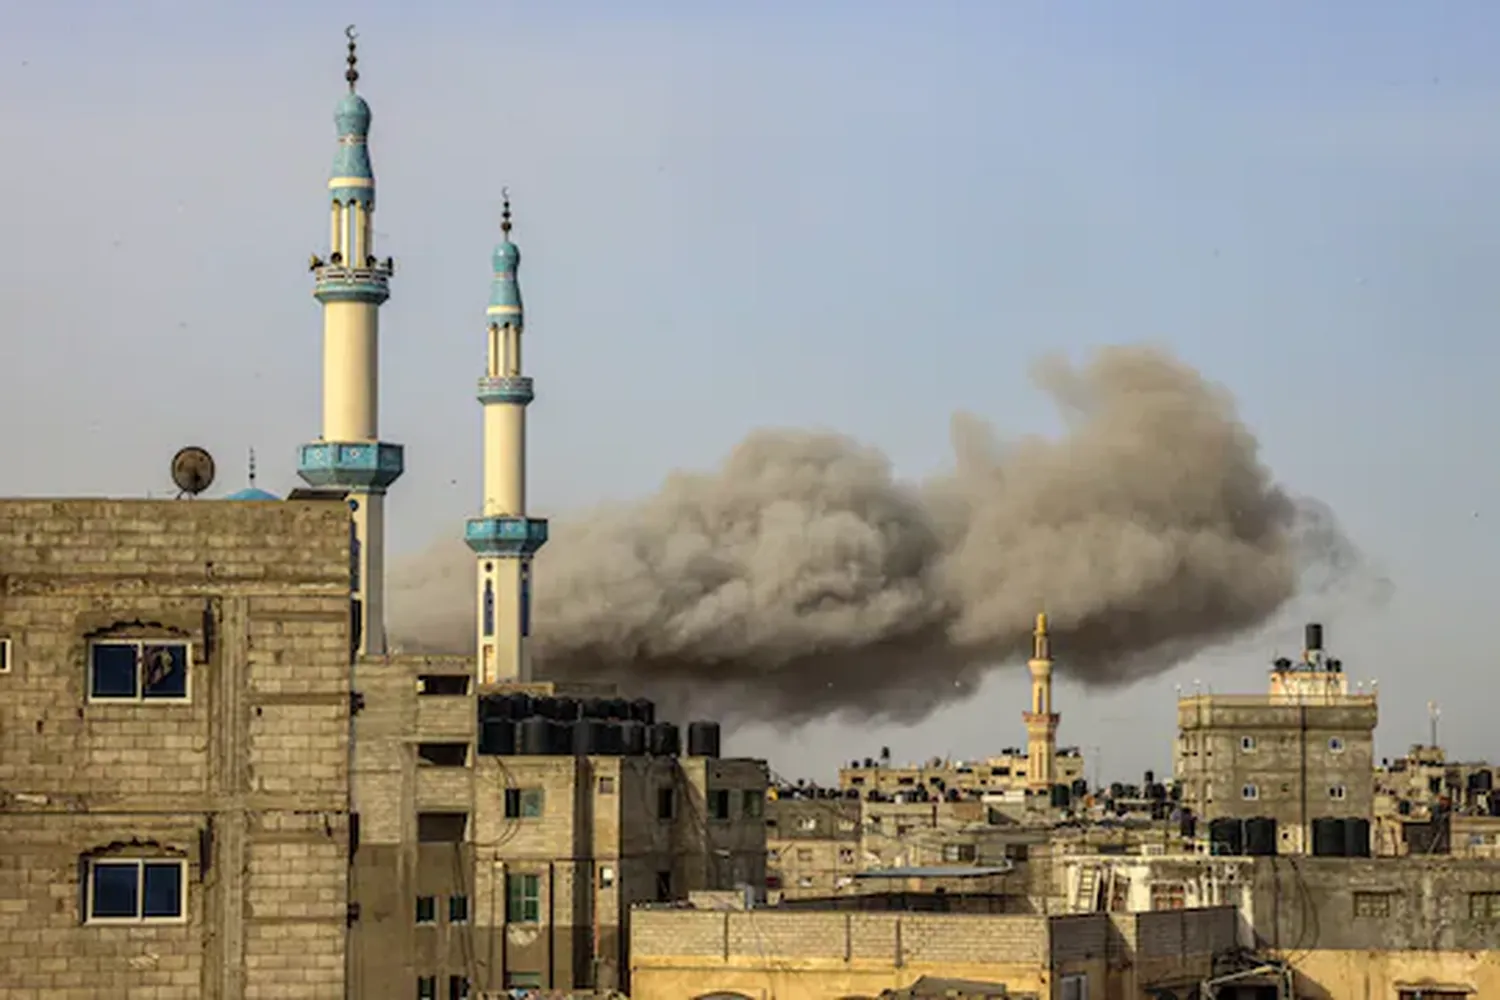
point(503, 538)
point(1041, 721)
point(352, 285)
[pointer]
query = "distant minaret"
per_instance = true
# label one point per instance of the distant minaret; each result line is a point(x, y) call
point(1041, 721)
point(503, 537)
point(351, 285)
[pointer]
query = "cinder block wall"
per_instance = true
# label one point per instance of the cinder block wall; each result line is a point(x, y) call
point(245, 780)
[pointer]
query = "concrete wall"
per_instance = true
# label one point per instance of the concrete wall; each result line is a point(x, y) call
point(245, 779)
point(680, 954)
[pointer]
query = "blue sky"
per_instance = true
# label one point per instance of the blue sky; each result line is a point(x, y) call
point(860, 216)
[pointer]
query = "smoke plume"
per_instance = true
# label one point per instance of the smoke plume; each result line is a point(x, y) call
point(802, 579)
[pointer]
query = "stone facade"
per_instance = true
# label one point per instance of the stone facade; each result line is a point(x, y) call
point(174, 749)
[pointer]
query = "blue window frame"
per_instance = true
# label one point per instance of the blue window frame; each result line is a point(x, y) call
point(136, 670)
point(136, 890)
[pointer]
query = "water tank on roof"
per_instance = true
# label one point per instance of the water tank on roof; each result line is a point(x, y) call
point(1328, 837)
point(567, 709)
point(1150, 777)
point(703, 739)
point(518, 705)
point(663, 740)
point(560, 738)
point(643, 710)
point(497, 737)
point(544, 707)
point(1226, 836)
point(633, 738)
point(1494, 804)
point(1080, 788)
point(1482, 781)
point(592, 708)
point(534, 736)
point(1187, 824)
point(587, 737)
point(613, 739)
point(1061, 796)
point(1260, 836)
point(619, 709)
point(1356, 837)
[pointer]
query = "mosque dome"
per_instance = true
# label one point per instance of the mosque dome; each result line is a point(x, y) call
point(252, 493)
point(352, 115)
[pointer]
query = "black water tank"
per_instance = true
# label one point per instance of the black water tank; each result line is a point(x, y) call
point(567, 709)
point(544, 707)
point(497, 737)
point(492, 706)
point(1187, 825)
point(703, 739)
point(1156, 793)
point(1080, 788)
point(1356, 837)
point(587, 737)
point(1160, 810)
point(1150, 777)
point(633, 738)
point(1313, 637)
point(1403, 807)
point(1328, 837)
point(643, 710)
point(612, 741)
point(591, 708)
point(663, 740)
point(1226, 836)
point(1494, 804)
point(1116, 790)
point(518, 706)
point(534, 736)
point(560, 742)
point(1260, 836)
point(1061, 796)
point(1482, 781)
point(618, 710)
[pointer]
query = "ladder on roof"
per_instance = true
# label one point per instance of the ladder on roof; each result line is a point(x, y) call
point(1086, 898)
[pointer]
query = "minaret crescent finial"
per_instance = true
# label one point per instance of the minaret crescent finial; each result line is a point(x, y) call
point(505, 211)
point(252, 468)
point(351, 74)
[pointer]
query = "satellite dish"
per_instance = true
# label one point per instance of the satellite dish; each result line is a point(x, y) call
point(192, 471)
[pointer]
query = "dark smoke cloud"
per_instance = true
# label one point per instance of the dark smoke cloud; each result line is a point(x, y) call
point(802, 579)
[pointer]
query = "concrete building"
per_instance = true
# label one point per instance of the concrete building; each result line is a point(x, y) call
point(174, 749)
point(352, 285)
point(1297, 755)
point(503, 538)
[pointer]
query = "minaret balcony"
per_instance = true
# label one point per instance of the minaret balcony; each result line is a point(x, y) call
point(339, 283)
point(370, 465)
point(506, 389)
point(502, 537)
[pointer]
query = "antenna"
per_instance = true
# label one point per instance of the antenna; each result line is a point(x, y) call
point(192, 471)
point(1433, 714)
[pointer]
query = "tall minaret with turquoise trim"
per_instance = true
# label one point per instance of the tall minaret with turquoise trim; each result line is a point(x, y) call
point(503, 537)
point(352, 284)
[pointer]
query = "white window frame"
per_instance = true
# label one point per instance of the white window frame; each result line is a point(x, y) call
point(1335, 744)
point(140, 863)
point(139, 698)
point(1250, 792)
point(1248, 744)
point(5, 651)
point(1338, 792)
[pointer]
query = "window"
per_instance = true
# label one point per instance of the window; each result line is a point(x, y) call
point(846, 855)
point(137, 890)
point(663, 886)
point(443, 684)
point(1074, 988)
point(443, 754)
point(666, 803)
point(1168, 896)
point(606, 786)
point(1372, 904)
point(718, 803)
point(753, 803)
point(442, 827)
point(1247, 744)
point(1484, 906)
point(4, 656)
point(805, 882)
point(426, 910)
point(458, 988)
point(123, 670)
point(773, 854)
point(1337, 792)
point(427, 988)
point(523, 803)
point(807, 824)
point(523, 899)
point(606, 877)
point(804, 855)
point(1250, 793)
point(523, 980)
point(1335, 744)
point(958, 852)
point(458, 909)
